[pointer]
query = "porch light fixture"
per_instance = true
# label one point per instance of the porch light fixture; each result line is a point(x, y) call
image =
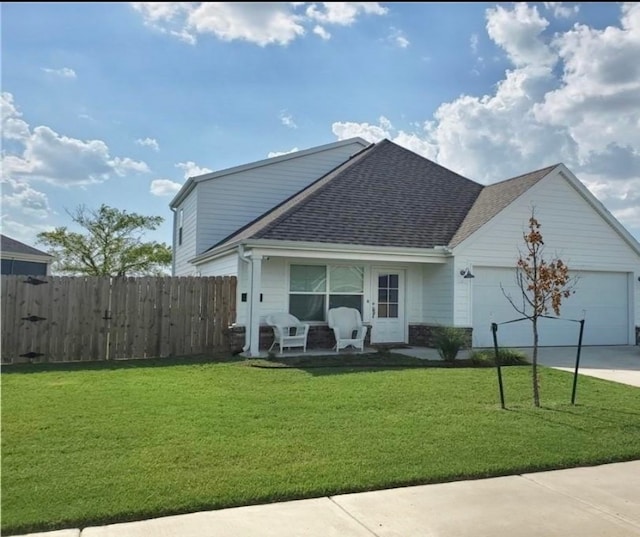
point(466, 274)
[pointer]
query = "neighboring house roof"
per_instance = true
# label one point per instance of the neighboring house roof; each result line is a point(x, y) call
point(12, 247)
point(190, 183)
point(384, 196)
point(493, 199)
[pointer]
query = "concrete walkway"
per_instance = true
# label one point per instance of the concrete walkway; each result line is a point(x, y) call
point(598, 501)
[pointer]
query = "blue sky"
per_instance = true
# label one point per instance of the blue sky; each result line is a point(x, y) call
point(117, 103)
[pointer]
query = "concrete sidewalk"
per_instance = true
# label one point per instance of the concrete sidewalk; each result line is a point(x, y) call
point(598, 501)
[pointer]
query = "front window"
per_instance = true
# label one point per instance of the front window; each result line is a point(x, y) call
point(313, 289)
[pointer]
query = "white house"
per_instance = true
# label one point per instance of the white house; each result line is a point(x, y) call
point(382, 229)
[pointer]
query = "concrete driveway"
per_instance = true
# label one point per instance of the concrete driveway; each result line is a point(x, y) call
point(619, 364)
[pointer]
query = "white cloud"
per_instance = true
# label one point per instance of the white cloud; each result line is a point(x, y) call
point(598, 99)
point(164, 187)
point(148, 142)
point(60, 160)
point(573, 97)
point(398, 38)
point(320, 31)
point(287, 120)
point(191, 169)
point(65, 72)
point(19, 195)
point(371, 133)
point(343, 13)
point(518, 33)
point(561, 10)
point(473, 43)
point(13, 127)
point(23, 232)
point(385, 129)
point(262, 23)
point(272, 154)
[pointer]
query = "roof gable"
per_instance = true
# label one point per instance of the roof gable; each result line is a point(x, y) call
point(385, 196)
point(493, 199)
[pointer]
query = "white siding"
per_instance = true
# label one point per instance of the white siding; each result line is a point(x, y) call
point(223, 266)
point(187, 250)
point(275, 296)
point(227, 203)
point(437, 294)
point(413, 293)
point(571, 228)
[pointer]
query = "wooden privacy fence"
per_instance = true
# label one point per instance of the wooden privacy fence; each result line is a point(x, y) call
point(60, 319)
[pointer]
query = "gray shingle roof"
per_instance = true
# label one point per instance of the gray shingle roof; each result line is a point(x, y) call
point(493, 199)
point(12, 246)
point(385, 196)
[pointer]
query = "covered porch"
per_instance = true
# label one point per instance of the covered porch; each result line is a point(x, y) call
point(401, 293)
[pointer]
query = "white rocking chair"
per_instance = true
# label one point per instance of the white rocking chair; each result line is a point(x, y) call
point(288, 331)
point(347, 327)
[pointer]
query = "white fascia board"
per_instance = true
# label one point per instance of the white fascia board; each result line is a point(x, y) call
point(18, 256)
point(319, 250)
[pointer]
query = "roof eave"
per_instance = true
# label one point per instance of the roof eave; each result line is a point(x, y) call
point(297, 246)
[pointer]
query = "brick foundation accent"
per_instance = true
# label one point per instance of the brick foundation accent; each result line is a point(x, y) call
point(320, 337)
point(421, 335)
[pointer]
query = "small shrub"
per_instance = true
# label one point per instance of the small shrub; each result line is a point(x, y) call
point(448, 340)
point(507, 357)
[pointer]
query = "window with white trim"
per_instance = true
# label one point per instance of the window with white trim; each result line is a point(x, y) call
point(180, 223)
point(313, 289)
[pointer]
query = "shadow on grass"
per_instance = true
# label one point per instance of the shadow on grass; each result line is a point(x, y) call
point(564, 413)
point(135, 363)
point(333, 364)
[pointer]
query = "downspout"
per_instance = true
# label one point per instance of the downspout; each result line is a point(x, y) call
point(249, 316)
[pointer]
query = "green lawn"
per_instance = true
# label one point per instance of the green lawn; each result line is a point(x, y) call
point(83, 445)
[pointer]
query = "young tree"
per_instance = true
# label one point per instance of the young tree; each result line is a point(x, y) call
point(111, 245)
point(543, 285)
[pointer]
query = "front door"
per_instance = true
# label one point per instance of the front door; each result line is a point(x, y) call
point(387, 306)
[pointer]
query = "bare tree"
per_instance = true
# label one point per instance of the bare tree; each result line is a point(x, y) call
point(543, 284)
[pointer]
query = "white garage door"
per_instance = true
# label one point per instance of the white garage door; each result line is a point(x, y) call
point(602, 295)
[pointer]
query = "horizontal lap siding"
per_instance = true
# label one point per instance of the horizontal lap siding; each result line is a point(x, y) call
point(570, 226)
point(187, 250)
point(227, 203)
point(223, 266)
point(437, 293)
